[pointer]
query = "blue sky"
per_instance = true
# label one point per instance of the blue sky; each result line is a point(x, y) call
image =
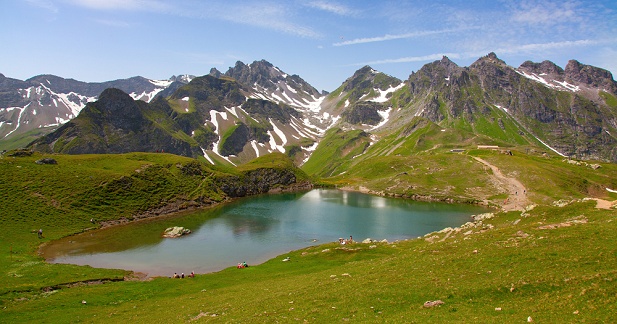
point(323, 41)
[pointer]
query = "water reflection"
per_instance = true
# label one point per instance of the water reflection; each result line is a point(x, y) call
point(254, 230)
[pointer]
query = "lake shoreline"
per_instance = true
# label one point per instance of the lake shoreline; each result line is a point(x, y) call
point(389, 228)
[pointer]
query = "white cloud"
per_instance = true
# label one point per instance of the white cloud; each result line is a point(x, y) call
point(44, 4)
point(271, 16)
point(146, 5)
point(275, 16)
point(389, 37)
point(546, 12)
point(113, 23)
point(503, 50)
point(332, 7)
point(425, 58)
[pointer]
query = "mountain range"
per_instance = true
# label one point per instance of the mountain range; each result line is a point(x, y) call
point(251, 110)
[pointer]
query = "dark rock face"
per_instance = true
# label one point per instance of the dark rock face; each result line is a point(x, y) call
point(267, 109)
point(256, 182)
point(210, 93)
point(363, 113)
point(120, 110)
point(234, 143)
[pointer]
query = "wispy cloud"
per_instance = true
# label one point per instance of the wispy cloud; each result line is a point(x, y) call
point(113, 23)
point(546, 12)
point(332, 7)
point(146, 5)
point(389, 37)
point(542, 47)
point(276, 16)
point(504, 50)
point(44, 4)
point(273, 16)
point(424, 58)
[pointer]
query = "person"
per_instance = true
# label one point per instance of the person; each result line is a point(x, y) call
point(176, 275)
point(239, 265)
point(182, 275)
point(244, 265)
point(40, 233)
point(192, 274)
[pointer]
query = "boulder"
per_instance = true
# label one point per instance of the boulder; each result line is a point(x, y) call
point(176, 231)
point(46, 161)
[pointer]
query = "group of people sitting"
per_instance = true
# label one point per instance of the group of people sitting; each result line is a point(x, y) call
point(343, 241)
point(242, 265)
point(191, 275)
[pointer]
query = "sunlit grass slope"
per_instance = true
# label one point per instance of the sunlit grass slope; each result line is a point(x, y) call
point(550, 264)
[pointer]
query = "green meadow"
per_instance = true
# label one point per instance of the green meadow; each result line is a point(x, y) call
point(548, 263)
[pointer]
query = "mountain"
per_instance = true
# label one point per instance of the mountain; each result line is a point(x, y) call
point(39, 105)
point(255, 109)
point(218, 118)
point(570, 112)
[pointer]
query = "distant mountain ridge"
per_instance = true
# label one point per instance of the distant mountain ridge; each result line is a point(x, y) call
point(42, 103)
point(254, 109)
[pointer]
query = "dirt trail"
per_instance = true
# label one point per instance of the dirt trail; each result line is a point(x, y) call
point(517, 193)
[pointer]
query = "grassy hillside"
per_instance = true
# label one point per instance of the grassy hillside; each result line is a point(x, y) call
point(63, 198)
point(507, 269)
point(553, 264)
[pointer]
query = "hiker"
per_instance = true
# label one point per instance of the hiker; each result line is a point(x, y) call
point(40, 233)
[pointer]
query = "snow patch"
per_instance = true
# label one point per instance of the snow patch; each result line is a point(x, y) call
point(254, 145)
point(206, 155)
point(552, 149)
point(557, 85)
point(502, 108)
point(384, 93)
point(185, 99)
point(385, 115)
point(161, 83)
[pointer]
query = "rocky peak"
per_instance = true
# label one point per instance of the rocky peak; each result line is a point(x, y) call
point(262, 73)
point(119, 109)
point(546, 67)
point(115, 101)
point(215, 73)
point(590, 76)
point(490, 59)
point(436, 72)
point(184, 78)
point(361, 78)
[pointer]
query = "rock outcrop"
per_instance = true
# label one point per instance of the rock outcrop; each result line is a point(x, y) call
point(176, 231)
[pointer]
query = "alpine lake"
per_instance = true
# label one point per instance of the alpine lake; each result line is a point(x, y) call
point(253, 230)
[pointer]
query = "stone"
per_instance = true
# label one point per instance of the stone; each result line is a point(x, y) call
point(433, 303)
point(176, 231)
point(46, 161)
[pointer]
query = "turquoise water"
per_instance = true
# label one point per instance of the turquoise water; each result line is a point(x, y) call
point(254, 230)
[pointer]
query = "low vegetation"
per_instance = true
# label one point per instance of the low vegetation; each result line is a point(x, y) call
point(551, 263)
